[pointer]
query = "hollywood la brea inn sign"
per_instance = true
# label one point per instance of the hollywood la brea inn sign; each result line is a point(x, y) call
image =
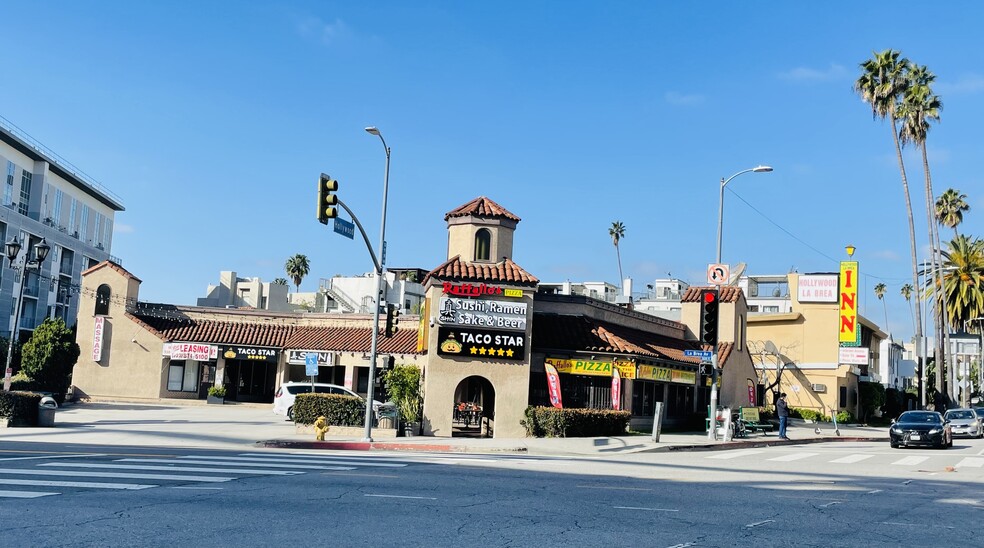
point(482, 313)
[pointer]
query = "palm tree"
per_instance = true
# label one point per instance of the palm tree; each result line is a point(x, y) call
point(279, 281)
point(963, 280)
point(882, 82)
point(950, 207)
point(918, 107)
point(617, 232)
point(296, 268)
point(907, 293)
point(880, 293)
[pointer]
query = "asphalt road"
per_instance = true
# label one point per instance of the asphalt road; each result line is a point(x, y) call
point(836, 494)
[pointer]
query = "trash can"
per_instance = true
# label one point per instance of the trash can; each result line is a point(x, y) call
point(46, 416)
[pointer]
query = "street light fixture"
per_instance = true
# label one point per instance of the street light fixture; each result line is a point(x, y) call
point(712, 431)
point(380, 274)
point(12, 249)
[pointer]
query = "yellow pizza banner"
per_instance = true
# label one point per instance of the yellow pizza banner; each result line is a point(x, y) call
point(626, 369)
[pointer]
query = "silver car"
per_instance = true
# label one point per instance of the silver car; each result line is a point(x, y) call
point(964, 422)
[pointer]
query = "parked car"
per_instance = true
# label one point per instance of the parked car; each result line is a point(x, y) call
point(283, 400)
point(925, 428)
point(980, 414)
point(964, 422)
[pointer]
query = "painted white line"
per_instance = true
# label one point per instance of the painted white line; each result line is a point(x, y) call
point(981, 452)
point(24, 494)
point(794, 456)
point(235, 463)
point(401, 497)
point(757, 523)
point(896, 523)
point(971, 462)
point(313, 459)
point(906, 482)
point(873, 491)
point(173, 468)
point(910, 461)
point(53, 457)
point(198, 488)
point(614, 488)
point(121, 475)
point(851, 459)
point(647, 509)
point(829, 504)
point(685, 545)
point(735, 454)
point(86, 484)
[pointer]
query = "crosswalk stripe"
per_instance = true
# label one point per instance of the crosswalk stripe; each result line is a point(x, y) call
point(238, 463)
point(24, 494)
point(86, 484)
point(174, 468)
point(910, 461)
point(121, 475)
point(971, 462)
point(851, 459)
point(794, 456)
point(734, 454)
point(312, 459)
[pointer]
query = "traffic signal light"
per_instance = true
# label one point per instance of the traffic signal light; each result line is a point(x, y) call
point(392, 319)
point(327, 200)
point(709, 317)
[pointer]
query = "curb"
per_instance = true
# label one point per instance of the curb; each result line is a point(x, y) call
point(724, 446)
point(384, 446)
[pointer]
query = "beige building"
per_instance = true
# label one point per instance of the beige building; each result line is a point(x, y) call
point(817, 371)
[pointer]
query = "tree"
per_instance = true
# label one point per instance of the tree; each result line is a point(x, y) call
point(280, 281)
point(880, 293)
point(403, 386)
point(963, 280)
point(49, 356)
point(296, 268)
point(617, 232)
point(950, 207)
point(907, 294)
point(882, 82)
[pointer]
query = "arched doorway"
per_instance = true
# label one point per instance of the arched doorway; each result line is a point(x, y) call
point(474, 408)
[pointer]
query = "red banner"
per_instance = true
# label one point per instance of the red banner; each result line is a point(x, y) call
point(616, 389)
point(553, 386)
point(751, 392)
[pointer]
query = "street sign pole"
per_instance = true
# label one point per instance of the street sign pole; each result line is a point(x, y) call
point(712, 431)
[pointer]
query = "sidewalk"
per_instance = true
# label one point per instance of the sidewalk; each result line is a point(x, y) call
point(182, 424)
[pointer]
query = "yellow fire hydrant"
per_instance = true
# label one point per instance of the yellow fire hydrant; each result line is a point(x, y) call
point(321, 428)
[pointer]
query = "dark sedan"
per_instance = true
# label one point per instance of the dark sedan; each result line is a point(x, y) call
point(920, 428)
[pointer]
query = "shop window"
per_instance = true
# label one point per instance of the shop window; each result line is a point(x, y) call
point(842, 397)
point(483, 244)
point(103, 294)
point(182, 377)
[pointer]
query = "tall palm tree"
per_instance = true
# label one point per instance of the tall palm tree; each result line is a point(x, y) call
point(882, 82)
point(950, 207)
point(907, 294)
point(963, 280)
point(917, 108)
point(296, 268)
point(617, 232)
point(880, 293)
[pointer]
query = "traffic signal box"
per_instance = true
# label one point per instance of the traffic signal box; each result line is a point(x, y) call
point(326, 198)
point(392, 319)
point(709, 317)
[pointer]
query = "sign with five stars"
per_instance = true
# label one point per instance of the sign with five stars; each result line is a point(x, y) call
point(481, 343)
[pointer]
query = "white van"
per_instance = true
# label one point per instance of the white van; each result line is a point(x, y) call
point(283, 401)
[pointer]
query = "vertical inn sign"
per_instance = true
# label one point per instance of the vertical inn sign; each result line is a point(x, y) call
point(848, 301)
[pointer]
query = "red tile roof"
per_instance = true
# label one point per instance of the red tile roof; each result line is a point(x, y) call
point(557, 332)
point(504, 271)
point(481, 207)
point(353, 339)
point(726, 294)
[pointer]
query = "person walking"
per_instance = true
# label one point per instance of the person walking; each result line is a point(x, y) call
point(782, 411)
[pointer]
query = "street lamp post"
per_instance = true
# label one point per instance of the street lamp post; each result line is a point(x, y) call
point(380, 274)
point(12, 249)
point(712, 433)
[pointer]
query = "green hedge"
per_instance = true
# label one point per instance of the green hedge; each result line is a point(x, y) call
point(551, 422)
point(339, 410)
point(808, 414)
point(20, 407)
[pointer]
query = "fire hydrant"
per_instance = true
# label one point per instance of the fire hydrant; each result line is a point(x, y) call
point(320, 428)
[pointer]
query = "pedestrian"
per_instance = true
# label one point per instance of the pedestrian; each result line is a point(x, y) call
point(782, 410)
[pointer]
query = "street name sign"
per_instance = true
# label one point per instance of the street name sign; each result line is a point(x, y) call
point(702, 354)
point(345, 228)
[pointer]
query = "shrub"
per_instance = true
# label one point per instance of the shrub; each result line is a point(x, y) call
point(551, 422)
point(808, 414)
point(217, 391)
point(845, 417)
point(20, 407)
point(872, 396)
point(49, 356)
point(403, 385)
point(893, 403)
point(339, 410)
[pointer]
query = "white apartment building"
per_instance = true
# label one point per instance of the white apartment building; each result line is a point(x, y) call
point(235, 292)
point(44, 197)
point(602, 291)
point(662, 298)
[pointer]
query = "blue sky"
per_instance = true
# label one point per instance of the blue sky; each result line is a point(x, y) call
point(212, 121)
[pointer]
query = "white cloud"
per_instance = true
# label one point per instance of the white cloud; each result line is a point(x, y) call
point(683, 99)
point(809, 75)
point(120, 228)
point(327, 33)
point(968, 83)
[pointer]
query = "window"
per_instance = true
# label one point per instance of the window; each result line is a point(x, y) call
point(84, 222)
point(107, 231)
point(182, 377)
point(56, 211)
point(71, 214)
point(102, 300)
point(483, 244)
point(98, 234)
point(25, 192)
point(8, 190)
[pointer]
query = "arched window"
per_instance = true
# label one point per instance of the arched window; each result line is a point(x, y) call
point(102, 300)
point(483, 244)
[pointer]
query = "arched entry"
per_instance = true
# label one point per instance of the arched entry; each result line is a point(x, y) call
point(474, 408)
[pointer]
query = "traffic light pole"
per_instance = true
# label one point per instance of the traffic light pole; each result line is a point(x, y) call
point(712, 431)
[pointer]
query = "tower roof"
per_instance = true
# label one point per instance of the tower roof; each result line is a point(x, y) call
point(482, 207)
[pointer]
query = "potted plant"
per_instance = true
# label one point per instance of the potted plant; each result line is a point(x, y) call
point(403, 384)
point(216, 394)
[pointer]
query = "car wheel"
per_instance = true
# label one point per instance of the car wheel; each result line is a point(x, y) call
point(290, 413)
point(894, 445)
